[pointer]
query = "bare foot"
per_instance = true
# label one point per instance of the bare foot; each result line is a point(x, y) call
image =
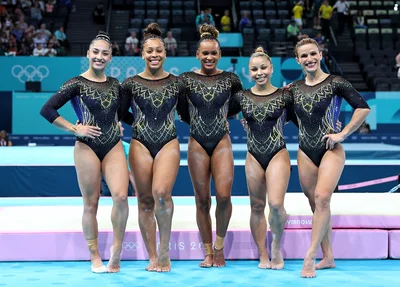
point(113, 265)
point(152, 267)
point(308, 270)
point(164, 263)
point(208, 261)
point(219, 258)
point(264, 262)
point(326, 263)
point(276, 257)
point(95, 258)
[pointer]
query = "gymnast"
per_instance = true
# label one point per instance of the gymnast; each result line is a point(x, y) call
point(265, 109)
point(98, 148)
point(321, 157)
point(207, 96)
point(154, 154)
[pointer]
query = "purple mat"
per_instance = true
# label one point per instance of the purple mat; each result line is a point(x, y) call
point(186, 245)
point(394, 244)
point(347, 221)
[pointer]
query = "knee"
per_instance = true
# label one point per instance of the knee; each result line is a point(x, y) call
point(275, 207)
point(162, 196)
point(322, 200)
point(258, 207)
point(146, 203)
point(223, 201)
point(204, 204)
point(91, 206)
point(120, 198)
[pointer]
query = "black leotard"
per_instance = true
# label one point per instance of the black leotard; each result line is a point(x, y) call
point(266, 116)
point(317, 109)
point(95, 104)
point(208, 100)
point(153, 103)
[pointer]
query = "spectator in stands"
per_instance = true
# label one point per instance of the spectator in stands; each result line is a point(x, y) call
point(359, 21)
point(226, 22)
point(298, 14)
point(170, 44)
point(39, 50)
point(343, 12)
point(116, 51)
point(49, 8)
point(62, 37)
point(24, 50)
point(43, 30)
point(4, 140)
point(199, 19)
point(206, 18)
point(315, 7)
point(364, 128)
point(36, 13)
point(320, 40)
point(245, 22)
point(325, 15)
point(12, 49)
point(99, 17)
point(39, 39)
point(293, 32)
point(49, 50)
point(398, 65)
point(132, 45)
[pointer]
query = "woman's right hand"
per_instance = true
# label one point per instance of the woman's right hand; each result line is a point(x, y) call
point(87, 131)
point(244, 124)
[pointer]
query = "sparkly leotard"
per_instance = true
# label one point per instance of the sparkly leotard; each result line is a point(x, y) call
point(266, 116)
point(208, 100)
point(95, 104)
point(153, 103)
point(317, 109)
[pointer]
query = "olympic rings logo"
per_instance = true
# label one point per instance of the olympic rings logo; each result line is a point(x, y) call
point(30, 73)
point(131, 246)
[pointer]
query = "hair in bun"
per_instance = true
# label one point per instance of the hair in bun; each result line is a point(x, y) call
point(153, 31)
point(208, 32)
point(259, 52)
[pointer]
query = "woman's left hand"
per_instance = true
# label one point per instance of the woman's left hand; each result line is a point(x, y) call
point(332, 139)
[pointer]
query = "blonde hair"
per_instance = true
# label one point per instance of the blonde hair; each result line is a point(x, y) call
point(208, 32)
point(259, 52)
point(306, 41)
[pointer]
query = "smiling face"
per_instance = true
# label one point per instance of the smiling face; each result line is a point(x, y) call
point(154, 54)
point(260, 70)
point(309, 57)
point(209, 54)
point(99, 54)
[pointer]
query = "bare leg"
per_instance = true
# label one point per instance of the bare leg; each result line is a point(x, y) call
point(222, 172)
point(277, 177)
point(255, 177)
point(308, 174)
point(88, 171)
point(166, 166)
point(200, 174)
point(141, 163)
point(329, 173)
point(116, 175)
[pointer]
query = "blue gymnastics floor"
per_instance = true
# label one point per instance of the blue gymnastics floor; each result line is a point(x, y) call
point(369, 273)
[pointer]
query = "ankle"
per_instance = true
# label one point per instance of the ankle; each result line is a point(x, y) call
point(219, 243)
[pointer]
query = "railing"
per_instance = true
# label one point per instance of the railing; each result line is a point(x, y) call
point(109, 10)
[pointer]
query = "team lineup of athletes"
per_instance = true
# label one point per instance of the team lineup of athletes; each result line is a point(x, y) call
point(205, 99)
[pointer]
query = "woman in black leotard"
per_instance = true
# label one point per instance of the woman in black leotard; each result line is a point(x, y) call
point(208, 92)
point(98, 149)
point(154, 154)
point(321, 157)
point(265, 109)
